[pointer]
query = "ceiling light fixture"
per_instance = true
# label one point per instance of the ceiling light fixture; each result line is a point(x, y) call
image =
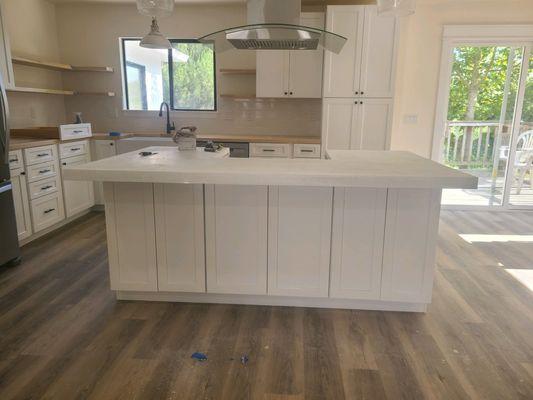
point(396, 8)
point(155, 8)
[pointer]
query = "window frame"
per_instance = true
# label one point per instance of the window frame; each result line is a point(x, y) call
point(123, 41)
point(142, 74)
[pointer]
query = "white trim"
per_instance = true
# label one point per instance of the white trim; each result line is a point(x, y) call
point(272, 301)
point(488, 32)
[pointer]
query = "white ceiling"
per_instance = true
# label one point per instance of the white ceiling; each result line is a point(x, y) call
point(133, 1)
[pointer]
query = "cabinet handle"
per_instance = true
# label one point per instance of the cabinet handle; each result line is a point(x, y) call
point(291, 93)
point(111, 144)
point(64, 163)
point(269, 150)
point(306, 151)
point(46, 187)
point(77, 131)
point(362, 92)
point(356, 92)
point(13, 160)
point(286, 93)
point(361, 103)
point(44, 171)
point(23, 173)
point(42, 154)
point(49, 210)
point(75, 149)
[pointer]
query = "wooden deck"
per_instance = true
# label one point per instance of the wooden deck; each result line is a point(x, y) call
point(64, 336)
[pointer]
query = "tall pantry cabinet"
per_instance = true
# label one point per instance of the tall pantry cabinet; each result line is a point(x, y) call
point(359, 82)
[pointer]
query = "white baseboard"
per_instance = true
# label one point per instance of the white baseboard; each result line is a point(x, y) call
point(242, 299)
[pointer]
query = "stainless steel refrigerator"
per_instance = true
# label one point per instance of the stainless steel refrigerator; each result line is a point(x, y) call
point(9, 245)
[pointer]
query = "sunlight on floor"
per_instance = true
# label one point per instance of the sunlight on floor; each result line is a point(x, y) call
point(524, 276)
point(476, 238)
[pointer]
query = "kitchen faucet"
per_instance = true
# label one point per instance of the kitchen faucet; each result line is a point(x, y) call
point(170, 127)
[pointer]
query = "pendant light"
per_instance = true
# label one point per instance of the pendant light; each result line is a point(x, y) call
point(155, 8)
point(396, 8)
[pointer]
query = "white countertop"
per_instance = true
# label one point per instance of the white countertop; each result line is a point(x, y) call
point(393, 169)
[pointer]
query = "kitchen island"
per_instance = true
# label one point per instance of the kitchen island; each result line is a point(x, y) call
point(358, 230)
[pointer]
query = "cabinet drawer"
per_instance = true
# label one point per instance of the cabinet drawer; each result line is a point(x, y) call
point(41, 171)
point(43, 187)
point(15, 159)
point(306, 151)
point(36, 155)
point(73, 149)
point(281, 150)
point(47, 211)
point(75, 131)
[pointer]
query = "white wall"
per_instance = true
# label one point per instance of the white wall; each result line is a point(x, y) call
point(419, 60)
point(32, 30)
point(88, 34)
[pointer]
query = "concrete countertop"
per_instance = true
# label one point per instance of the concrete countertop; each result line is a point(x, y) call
point(380, 169)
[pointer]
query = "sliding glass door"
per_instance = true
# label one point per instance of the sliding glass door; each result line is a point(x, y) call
point(488, 128)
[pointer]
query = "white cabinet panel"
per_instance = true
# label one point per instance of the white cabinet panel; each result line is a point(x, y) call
point(179, 215)
point(79, 195)
point(44, 187)
point(272, 73)
point(337, 124)
point(131, 236)
point(15, 159)
point(278, 150)
point(296, 74)
point(378, 63)
point(342, 71)
point(73, 149)
point(299, 240)
point(41, 154)
point(236, 238)
point(411, 232)
point(22, 206)
point(357, 243)
point(40, 171)
point(102, 149)
point(372, 126)
point(6, 66)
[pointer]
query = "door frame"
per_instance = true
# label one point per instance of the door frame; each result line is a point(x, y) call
point(474, 35)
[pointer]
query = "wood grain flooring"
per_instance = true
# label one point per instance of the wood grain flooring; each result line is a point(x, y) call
point(64, 336)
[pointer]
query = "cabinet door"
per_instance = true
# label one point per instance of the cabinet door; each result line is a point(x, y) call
point(22, 205)
point(305, 76)
point(378, 63)
point(179, 216)
point(357, 243)
point(236, 238)
point(79, 195)
point(342, 71)
point(299, 238)
point(272, 79)
point(337, 118)
point(411, 232)
point(130, 230)
point(371, 124)
point(102, 149)
point(6, 67)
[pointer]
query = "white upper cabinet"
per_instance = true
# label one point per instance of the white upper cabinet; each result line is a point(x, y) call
point(356, 124)
point(365, 66)
point(296, 74)
point(6, 67)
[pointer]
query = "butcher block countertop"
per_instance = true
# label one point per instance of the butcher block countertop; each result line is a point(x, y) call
point(25, 143)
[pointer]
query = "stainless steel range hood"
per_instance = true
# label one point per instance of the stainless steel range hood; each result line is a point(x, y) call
point(274, 25)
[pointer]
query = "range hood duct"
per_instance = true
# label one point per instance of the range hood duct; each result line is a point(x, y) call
point(274, 25)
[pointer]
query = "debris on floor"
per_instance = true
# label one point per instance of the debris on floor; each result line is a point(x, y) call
point(199, 356)
point(244, 359)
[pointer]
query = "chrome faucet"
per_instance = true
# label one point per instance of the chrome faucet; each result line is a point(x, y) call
point(170, 127)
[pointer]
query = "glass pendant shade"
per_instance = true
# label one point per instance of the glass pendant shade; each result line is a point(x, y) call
point(396, 8)
point(155, 39)
point(155, 8)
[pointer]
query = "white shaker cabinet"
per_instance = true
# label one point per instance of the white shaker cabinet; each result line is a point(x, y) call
point(357, 243)
point(294, 74)
point(236, 238)
point(131, 239)
point(22, 204)
point(356, 124)
point(366, 65)
point(299, 239)
point(411, 234)
point(79, 195)
point(179, 218)
point(102, 149)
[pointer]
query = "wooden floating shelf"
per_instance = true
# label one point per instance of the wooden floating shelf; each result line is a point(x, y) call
point(58, 92)
point(57, 66)
point(231, 71)
point(39, 90)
